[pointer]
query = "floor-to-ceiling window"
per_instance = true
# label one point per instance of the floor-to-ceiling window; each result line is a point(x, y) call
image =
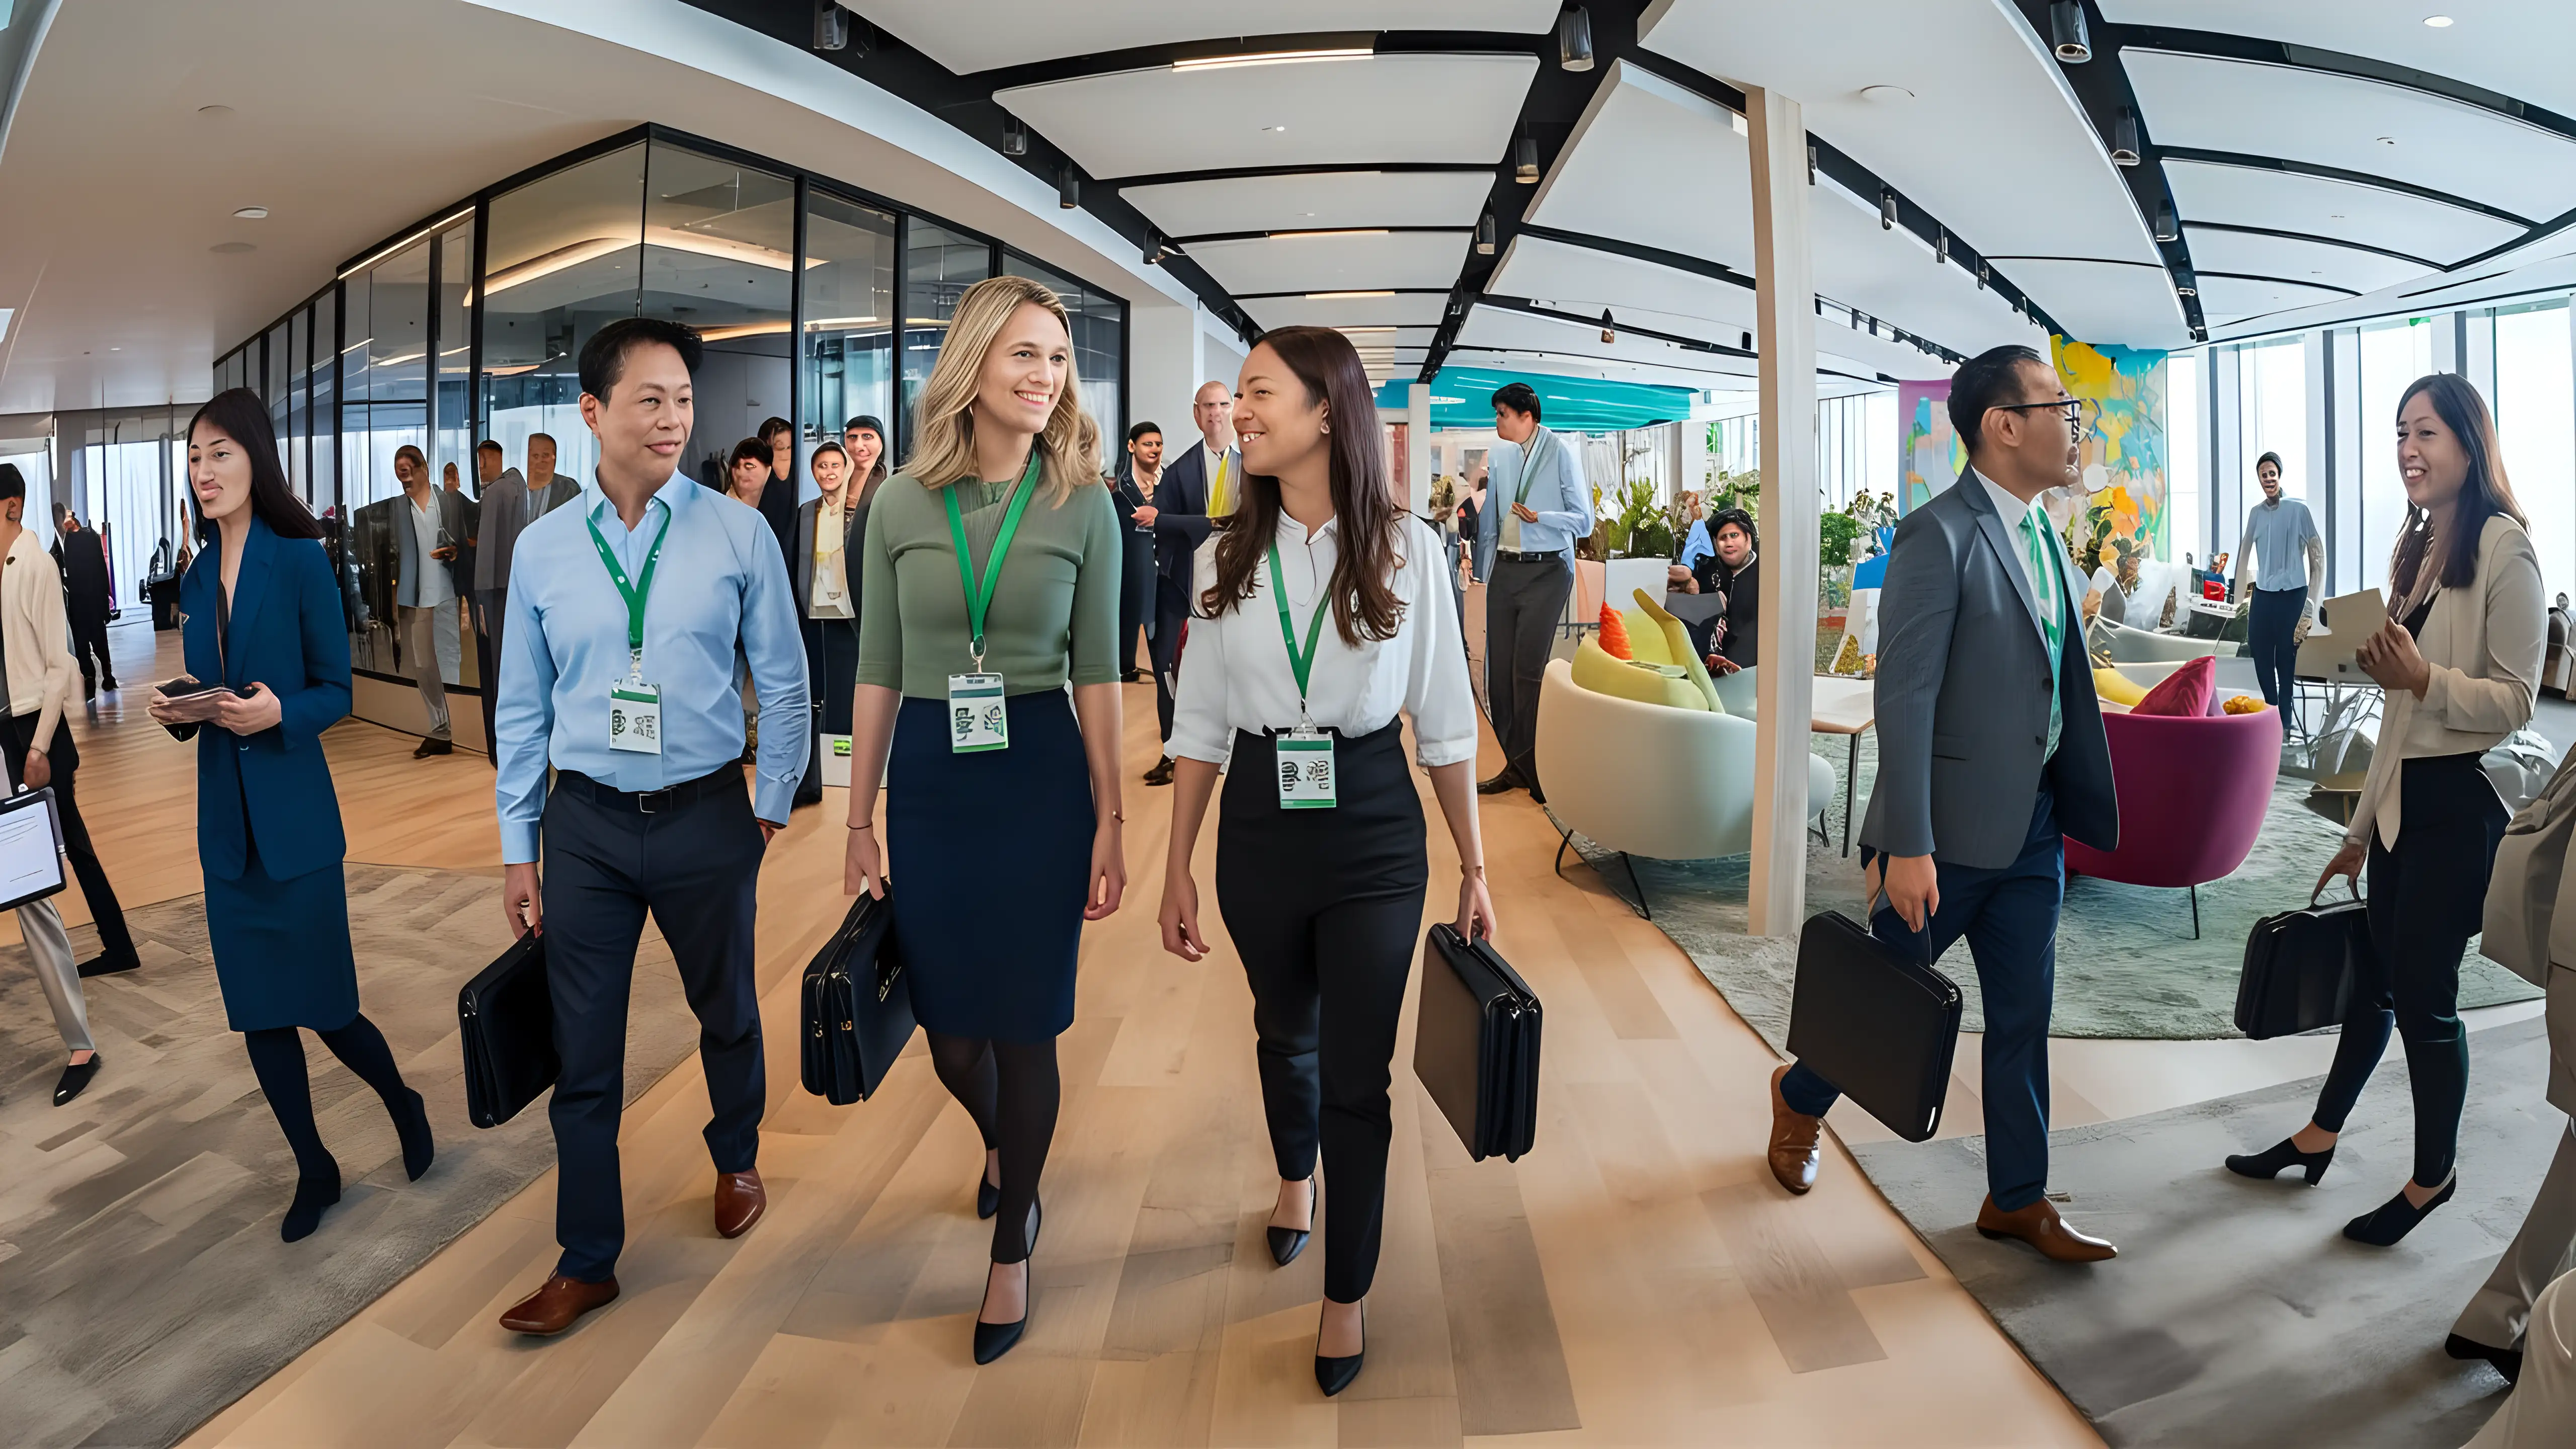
point(563, 257)
point(720, 255)
point(2186, 460)
point(849, 317)
point(1098, 347)
point(2535, 407)
point(938, 266)
point(2393, 355)
point(2276, 421)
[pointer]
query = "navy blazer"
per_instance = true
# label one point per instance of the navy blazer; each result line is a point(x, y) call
point(287, 633)
point(1181, 520)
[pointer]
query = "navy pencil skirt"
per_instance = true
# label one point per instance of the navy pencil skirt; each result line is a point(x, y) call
point(989, 857)
point(281, 947)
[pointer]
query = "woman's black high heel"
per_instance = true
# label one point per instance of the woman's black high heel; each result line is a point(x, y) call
point(1333, 1375)
point(2285, 1154)
point(988, 1197)
point(419, 1148)
point(312, 1196)
point(992, 1340)
point(1287, 1243)
point(2392, 1220)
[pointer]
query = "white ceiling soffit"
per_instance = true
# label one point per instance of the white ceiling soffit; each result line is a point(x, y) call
point(2322, 206)
point(2518, 47)
point(2363, 126)
point(1655, 165)
point(1394, 309)
point(2295, 259)
point(2104, 301)
point(1506, 329)
point(1314, 200)
point(972, 37)
point(1359, 111)
point(1333, 261)
point(2539, 272)
point(1891, 274)
point(1979, 79)
point(2233, 299)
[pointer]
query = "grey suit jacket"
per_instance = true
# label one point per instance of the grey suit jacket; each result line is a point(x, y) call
point(454, 528)
point(1962, 698)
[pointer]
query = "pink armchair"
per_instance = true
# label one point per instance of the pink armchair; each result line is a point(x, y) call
point(2193, 790)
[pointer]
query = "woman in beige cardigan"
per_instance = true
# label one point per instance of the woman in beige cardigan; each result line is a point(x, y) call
point(2460, 661)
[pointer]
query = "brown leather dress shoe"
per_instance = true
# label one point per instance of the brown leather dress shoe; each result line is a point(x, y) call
point(740, 1200)
point(2041, 1227)
point(558, 1305)
point(1796, 1141)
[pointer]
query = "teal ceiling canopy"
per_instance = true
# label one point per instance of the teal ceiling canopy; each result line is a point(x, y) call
point(1462, 397)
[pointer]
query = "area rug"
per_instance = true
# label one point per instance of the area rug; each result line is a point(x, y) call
point(142, 1283)
point(2236, 1313)
point(2127, 965)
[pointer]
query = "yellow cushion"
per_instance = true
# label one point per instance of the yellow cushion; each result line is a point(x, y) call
point(1648, 644)
point(2116, 687)
point(1596, 669)
point(1677, 643)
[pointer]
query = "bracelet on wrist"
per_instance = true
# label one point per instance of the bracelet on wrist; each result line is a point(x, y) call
point(863, 825)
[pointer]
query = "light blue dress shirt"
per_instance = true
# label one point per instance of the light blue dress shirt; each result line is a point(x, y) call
point(1697, 546)
point(719, 591)
point(1557, 493)
point(2280, 533)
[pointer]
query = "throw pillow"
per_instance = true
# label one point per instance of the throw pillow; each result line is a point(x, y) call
point(1677, 645)
point(2116, 687)
point(1646, 644)
point(2246, 704)
point(1596, 670)
point(2186, 691)
point(1614, 634)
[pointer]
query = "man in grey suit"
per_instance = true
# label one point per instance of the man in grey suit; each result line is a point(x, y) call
point(510, 504)
point(1990, 753)
point(430, 527)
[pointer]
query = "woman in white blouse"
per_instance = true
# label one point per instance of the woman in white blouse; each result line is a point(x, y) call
point(1320, 862)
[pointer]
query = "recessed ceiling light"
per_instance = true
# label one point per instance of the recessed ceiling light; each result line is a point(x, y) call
point(2387, 140)
point(1274, 129)
point(2334, 216)
point(2438, 22)
point(231, 248)
point(252, 213)
point(116, 349)
point(1886, 95)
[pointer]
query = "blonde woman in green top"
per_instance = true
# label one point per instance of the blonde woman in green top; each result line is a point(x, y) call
point(989, 580)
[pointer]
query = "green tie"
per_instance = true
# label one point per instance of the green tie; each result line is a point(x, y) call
point(2037, 539)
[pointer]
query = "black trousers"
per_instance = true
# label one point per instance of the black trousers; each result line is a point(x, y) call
point(832, 669)
point(1524, 601)
point(1171, 613)
point(115, 942)
point(89, 644)
point(1137, 583)
point(694, 867)
point(1325, 907)
point(2271, 631)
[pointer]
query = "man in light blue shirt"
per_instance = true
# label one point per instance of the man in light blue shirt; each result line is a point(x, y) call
point(2288, 577)
point(627, 610)
point(1536, 506)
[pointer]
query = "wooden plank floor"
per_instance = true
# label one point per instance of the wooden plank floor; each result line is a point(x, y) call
point(1636, 1280)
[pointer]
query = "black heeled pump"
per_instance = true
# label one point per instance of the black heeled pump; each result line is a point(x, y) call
point(1287, 1243)
point(988, 1196)
point(2282, 1155)
point(1333, 1375)
point(992, 1340)
point(312, 1196)
point(2384, 1225)
point(419, 1148)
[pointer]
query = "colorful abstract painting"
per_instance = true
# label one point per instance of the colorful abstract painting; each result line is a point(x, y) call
point(1928, 450)
point(2123, 459)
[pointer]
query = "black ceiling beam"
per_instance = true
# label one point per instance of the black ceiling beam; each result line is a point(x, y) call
point(1157, 57)
point(2308, 236)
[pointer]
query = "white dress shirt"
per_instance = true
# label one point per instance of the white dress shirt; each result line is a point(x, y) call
point(1237, 675)
point(432, 588)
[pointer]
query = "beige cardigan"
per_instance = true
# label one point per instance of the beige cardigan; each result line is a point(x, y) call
point(2484, 644)
point(41, 667)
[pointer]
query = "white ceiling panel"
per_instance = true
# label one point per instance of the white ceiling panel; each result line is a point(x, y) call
point(1313, 200)
point(1505, 330)
point(2231, 299)
point(1890, 274)
point(1455, 109)
point(1975, 70)
point(2353, 125)
point(2296, 260)
point(1334, 262)
point(2519, 47)
point(2322, 206)
point(1654, 164)
point(2103, 301)
point(992, 33)
point(1404, 309)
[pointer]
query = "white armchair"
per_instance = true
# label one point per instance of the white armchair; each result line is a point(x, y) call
point(1648, 779)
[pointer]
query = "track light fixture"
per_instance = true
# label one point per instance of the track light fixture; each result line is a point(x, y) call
point(1982, 276)
point(2067, 33)
point(1015, 137)
point(1609, 331)
point(2187, 291)
point(1574, 40)
point(1068, 189)
point(1525, 161)
point(1748, 342)
point(2124, 139)
point(1485, 235)
point(2166, 229)
point(1887, 208)
point(831, 26)
point(1941, 249)
point(1811, 164)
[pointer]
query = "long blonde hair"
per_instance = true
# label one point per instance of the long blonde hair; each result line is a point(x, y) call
point(943, 434)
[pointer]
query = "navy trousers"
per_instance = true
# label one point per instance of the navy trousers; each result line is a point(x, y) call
point(2010, 919)
point(695, 868)
point(2271, 628)
point(1171, 613)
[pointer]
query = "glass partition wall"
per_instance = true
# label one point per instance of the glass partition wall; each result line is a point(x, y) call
point(470, 327)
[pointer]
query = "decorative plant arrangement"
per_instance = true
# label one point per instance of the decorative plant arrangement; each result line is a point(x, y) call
point(1639, 529)
point(2106, 535)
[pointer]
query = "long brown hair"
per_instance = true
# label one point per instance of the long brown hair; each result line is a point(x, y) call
point(1364, 601)
point(2483, 494)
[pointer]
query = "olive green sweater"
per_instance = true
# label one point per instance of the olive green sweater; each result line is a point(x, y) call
point(1055, 606)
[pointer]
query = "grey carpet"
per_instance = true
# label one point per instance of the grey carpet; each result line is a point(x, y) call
point(2127, 965)
point(2236, 1313)
point(142, 1283)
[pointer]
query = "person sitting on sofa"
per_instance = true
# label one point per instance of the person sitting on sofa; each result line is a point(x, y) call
point(1729, 640)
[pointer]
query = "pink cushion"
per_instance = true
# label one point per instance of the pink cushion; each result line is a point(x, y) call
point(2186, 691)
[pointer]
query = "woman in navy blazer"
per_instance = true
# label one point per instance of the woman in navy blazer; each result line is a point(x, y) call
point(259, 613)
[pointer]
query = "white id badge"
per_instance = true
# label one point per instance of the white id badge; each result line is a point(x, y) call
point(635, 717)
point(976, 718)
point(1306, 770)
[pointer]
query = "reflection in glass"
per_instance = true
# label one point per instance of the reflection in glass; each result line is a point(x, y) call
point(2186, 459)
point(939, 265)
point(2392, 356)
point(563, 258)
point(849, 315)
point(719, 255)
point(452, 429)
point(1096, 320)
point(384, 408)
point(2536, 428)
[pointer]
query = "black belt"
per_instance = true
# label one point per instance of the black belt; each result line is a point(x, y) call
point(648, 802)
point(1507, 556)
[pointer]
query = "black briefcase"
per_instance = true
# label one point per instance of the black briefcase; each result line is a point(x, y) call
point(857, 1012)
point(1879, 1023)
point(2300, 968)
point(506, 1018)
point(1475, 1044)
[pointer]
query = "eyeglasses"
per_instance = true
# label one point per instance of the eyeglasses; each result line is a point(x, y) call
point(2081, 413)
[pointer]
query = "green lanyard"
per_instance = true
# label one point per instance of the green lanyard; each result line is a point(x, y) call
point(634, 593)
point(1529, 467)
point(1302, 664)
point(978, 599)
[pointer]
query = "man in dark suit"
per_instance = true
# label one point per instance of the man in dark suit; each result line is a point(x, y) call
point(1990, 753)
point(1133, 493)
point(1198, 487)
point(87, 597)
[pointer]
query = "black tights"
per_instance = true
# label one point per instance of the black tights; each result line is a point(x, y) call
point(277, 1057)
point(1011, 1090)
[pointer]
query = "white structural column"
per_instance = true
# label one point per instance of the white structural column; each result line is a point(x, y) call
point(1785, 300)
point(1416, 483)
